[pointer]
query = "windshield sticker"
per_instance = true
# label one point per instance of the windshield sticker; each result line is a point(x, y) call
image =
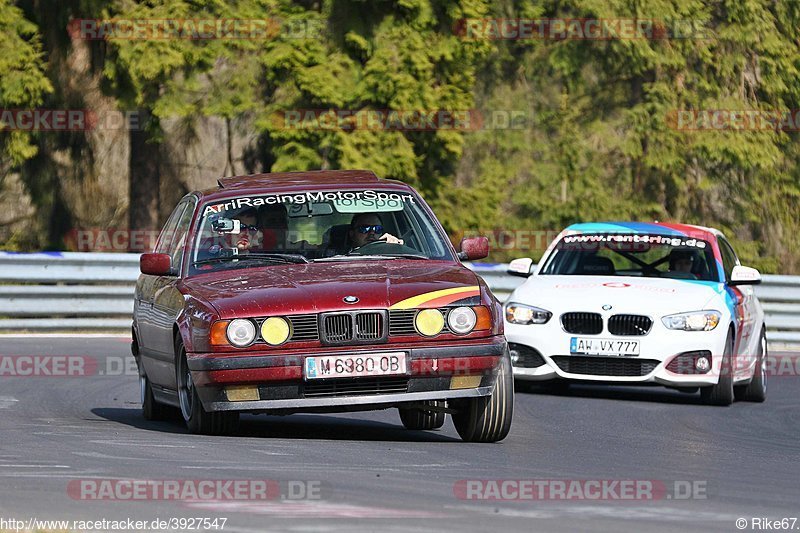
point(635, 238)
point(345, 201)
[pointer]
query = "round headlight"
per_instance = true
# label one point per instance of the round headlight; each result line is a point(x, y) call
point(275, 330)
point(461, 320)
point(241, 332)
point(429, 322)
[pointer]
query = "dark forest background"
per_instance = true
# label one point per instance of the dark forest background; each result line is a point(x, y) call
point(596, 142)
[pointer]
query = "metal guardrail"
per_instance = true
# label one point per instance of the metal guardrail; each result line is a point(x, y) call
point(68, 291)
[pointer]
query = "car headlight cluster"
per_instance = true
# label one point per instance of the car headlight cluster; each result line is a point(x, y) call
point(693, 321)
point(526, 314)
point(460, 320)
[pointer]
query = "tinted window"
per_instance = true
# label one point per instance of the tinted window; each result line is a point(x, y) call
point(729, 259)
point(316, 226)
point(167, 235)
point(181, 232)
point(642, 255)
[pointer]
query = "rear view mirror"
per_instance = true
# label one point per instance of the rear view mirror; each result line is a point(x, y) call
point(226, 225)
point(520, 267)
point(309, 209)
point(742, 275)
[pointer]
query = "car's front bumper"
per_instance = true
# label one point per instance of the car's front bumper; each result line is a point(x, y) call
point(657, 350)
point(434, 372)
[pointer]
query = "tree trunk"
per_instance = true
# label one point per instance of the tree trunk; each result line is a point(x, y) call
point(143, 190)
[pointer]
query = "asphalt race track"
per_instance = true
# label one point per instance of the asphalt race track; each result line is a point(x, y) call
point(367, 473)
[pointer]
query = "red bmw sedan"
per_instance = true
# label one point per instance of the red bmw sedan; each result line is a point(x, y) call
point(318, 291)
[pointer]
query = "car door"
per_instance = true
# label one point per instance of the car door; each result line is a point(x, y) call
point(744, 310)
point(161, 301)
point(168, 302)
point(145, 286)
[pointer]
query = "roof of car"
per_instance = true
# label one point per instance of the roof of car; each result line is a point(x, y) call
point(302, 180)
point(666, 228)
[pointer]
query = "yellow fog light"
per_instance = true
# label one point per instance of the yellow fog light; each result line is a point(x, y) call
point(242, 394)
point(275, 330)
point(465, 382)
point(429, 322)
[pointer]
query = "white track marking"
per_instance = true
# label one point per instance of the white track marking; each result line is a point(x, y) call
point(35, 466)
point(312, 509)
point(7, 401)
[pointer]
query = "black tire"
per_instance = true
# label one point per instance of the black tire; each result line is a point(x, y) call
point(419, 419)
point(488, 418)
point(198, 420)
point(151, 409)
point(722, 393)
point(756, 390)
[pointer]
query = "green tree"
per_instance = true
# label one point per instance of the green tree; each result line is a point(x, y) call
point(23, 84)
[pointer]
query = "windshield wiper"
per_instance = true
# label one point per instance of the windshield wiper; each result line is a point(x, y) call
point(353, 257)
point(407, 256)
point(278, 258)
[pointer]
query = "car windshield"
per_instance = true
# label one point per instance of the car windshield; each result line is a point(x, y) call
point(607, 254)
point(344, 225)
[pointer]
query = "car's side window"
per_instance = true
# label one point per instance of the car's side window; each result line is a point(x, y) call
point(181, 233)
point(728, 257)
point(168, 232)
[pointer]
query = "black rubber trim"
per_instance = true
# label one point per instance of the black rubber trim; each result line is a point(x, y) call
point(265, 361)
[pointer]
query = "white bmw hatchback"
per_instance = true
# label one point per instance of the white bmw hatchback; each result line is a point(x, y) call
point(639, 303)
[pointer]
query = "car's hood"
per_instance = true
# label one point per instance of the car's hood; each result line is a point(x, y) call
point(648, 296)
point(316, 287)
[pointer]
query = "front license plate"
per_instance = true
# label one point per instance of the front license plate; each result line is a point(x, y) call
point(581, 345)
point(355, 365)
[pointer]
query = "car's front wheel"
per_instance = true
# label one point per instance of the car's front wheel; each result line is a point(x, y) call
point(198, 420)
point(421, 419)
point(722, 392)
point(756, 390)
point(488, 418)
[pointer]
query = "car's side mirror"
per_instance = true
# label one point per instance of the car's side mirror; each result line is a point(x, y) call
point(155, 264)
point(742, 275)
point(473, 248)
point(520, 267)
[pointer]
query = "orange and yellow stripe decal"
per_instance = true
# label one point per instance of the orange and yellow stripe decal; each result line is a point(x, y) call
point(438, 298)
